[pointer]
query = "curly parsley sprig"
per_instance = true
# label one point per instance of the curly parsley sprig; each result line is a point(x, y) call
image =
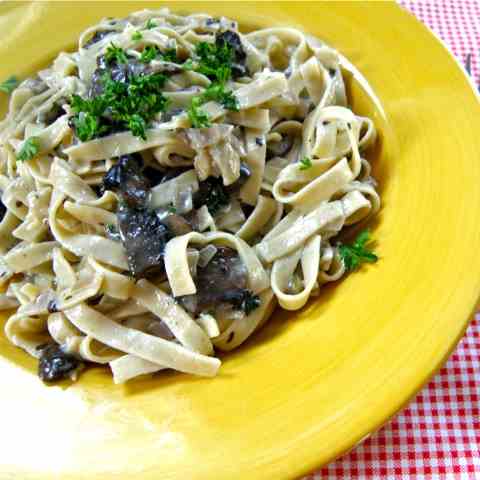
point(121, 105)
point(305, 163)
point(357, 253)
point(213, 61)
point(29, 149)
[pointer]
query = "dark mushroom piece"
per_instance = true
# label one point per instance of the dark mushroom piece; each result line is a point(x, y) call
point(211, 193)
point(281, 148)
point(127, 179)
point(222, 280)
point(144, 237)
point(97, 36)
point(215, 195)
point(55, 364)
point(231, 38)
point(119, 72)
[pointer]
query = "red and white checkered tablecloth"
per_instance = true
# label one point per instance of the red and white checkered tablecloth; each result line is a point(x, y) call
point(438, 435)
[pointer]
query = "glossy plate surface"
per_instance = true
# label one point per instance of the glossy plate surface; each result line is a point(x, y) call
point(310, 385)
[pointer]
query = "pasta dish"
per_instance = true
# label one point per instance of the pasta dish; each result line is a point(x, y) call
point(167, 184)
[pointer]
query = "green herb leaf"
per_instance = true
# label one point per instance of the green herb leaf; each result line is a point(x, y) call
point(357, 253)
point(9, 85)
point(30, 148)
point(198, 118)
point(188, 65)
point(305, 163)
point(137, 36)
point(137, 125)
point(149, 53)
point(87, 126)
point(217, 93)
point(170, 55)
point(115, 54)
point(215, 61)
point(129, 105)
point(150, 24)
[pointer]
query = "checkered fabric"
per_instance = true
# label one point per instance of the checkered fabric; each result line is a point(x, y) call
point(438, 435)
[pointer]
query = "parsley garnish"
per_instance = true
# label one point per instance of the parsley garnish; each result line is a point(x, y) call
point(198, 118)
point(216, 92)
point(150, 24)
point(215, 62)
point(9, 85)
point(149, 53)
point(30, 148)
point(115, 54)
point(122, 105)
point(137, 36)
point(188, 65)
point(170, 55)
point(357, 253)
point(88, 127)
point(305, 163)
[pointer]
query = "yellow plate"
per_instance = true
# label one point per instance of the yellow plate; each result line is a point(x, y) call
point(312, 384)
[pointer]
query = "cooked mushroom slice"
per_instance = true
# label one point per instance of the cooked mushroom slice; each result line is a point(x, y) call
point(281, 148)
point(55, 364)
point(232, 39)
point(99, 35)
point(177, 225)
point(215, 195)
point(222, 280)
point(144, 237)
point(126, 178)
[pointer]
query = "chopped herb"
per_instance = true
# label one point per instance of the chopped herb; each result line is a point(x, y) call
point(357, 253)
point(9, 85)
point(215, 61)
point(115, 54)
point(121, 105)
point(137, 125)
point(150, 24)
point(149, 53)
point(137, 36)
point(170, 55)
point(87, 127)
point(30, 148)
point(305, 163)
point(217, 92)
point(188, 65)
point(198, 118)
point(172, 209)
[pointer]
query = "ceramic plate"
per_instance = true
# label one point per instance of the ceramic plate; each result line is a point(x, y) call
point(312, 384)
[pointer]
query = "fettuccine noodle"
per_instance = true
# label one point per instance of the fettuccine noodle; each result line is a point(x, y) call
point(149, 251)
